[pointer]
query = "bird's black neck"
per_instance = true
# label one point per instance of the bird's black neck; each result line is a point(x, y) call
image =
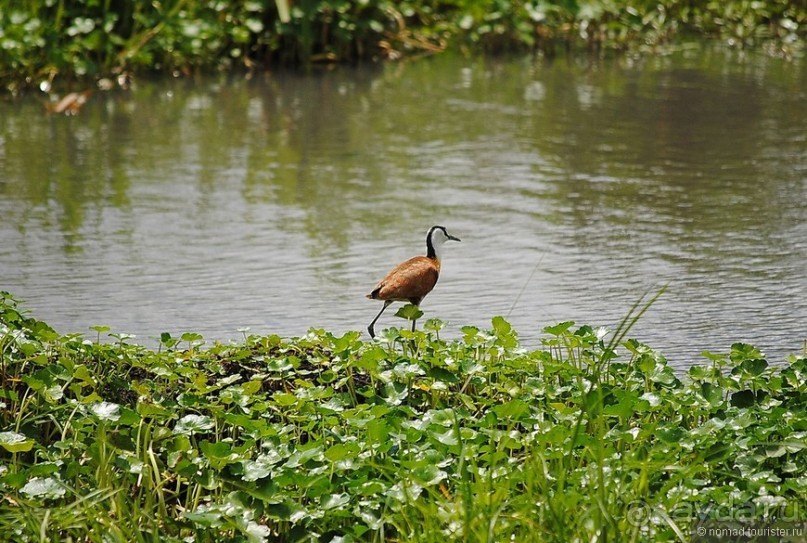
point(430, 252)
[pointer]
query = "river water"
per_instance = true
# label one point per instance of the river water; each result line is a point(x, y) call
point(276, 202)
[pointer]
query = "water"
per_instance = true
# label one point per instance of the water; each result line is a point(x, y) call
point(276, 203)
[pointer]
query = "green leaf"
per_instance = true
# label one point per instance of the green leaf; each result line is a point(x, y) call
point(106, 411)
point(167, 340)
point(449, 437)
point(442, 374)
point(82, 373)
point(646, 363)
point(192, 424)
point(500, 326)
point(191, 337)
point(251, 387)
point(671, 435)
point(559, 328)
point(744, 351)
point(219, 450)
point(623, 409)
point(469, 333)
point(410, 312)
point(377, 431)
point(698, 373)
point(395, 393)
point(327, 377)
point(284, 399)
point(44, 488)
point(434, 325)
point(712, 394)
point(663, 374)
point(342, 451)
point(279, 365)
point(204, 516)
point(303, 455)
point(754, 366)
point(335, 501)
point(428, 475)
point(15, 443)
point(718, 452)
point(514, 409)
point(259, 468)
point(207, 479)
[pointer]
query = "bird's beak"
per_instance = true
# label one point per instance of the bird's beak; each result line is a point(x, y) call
point(452, 238)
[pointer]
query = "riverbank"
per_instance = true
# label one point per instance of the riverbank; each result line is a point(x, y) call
point(59, 45)
point(326, 438)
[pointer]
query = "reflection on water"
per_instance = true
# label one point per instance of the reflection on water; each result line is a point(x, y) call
point(277, 203)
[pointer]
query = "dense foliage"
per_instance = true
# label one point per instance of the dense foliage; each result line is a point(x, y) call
point(411, 437)
point(45, 40)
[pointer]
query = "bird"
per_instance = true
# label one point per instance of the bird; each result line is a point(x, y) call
point(412, 280)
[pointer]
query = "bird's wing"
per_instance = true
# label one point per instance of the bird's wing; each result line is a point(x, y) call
point(409, 280)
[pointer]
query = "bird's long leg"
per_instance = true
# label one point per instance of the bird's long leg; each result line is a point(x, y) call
point(370, 328)
point(416, 303)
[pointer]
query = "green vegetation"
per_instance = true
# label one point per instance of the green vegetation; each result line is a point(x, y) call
point(410, 438)
point(47, 41)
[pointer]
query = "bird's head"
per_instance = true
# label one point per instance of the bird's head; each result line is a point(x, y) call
point(435, 239)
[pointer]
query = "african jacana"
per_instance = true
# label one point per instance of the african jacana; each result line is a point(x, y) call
point(412, 280)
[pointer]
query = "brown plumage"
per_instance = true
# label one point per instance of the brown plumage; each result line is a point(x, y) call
point(408, 281)
point(412, 280)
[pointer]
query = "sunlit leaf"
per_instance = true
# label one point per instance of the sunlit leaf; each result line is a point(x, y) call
point(191, 337)
point(262, 466)
point(428, 475)
point(409, 312)
point(284, 399)
point(559, 328)
point(334, 501)
point(341, 451)
point(106, 411)
point(712, 393)
point(449, 437)
point(44, 488)
point(14, 442)
point(193, 424)
point(514, 409)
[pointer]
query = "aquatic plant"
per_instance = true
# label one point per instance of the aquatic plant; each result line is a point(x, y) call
point(43, 43)
point(409, 437)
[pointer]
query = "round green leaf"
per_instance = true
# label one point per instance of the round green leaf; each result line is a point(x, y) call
point(14, 442)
